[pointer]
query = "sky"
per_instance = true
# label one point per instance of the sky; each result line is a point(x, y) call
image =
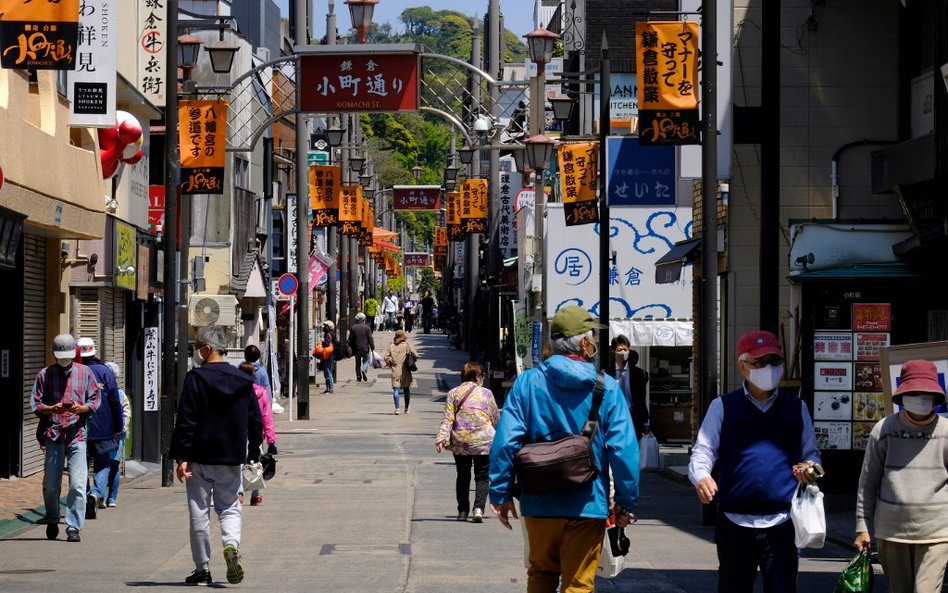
point(518, 14)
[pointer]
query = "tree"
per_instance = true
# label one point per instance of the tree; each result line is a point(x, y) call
point(429, 282)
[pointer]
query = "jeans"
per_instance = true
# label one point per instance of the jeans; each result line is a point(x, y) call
point(463, 484)
point(395, 393)
point(390, 321)
point(426, 322)
point(223, 483)
point(741, 550)
point(362, 365)
point(329, 373)
point(100, 479)
point(57, 454)
point(115, 476)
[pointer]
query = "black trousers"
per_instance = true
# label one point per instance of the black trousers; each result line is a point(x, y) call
point(463, 484)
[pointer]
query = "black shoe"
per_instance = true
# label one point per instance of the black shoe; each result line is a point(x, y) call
point(462, 516)
point(198, 577)
point(72, 535)
point(52, 530)
point(92, 503)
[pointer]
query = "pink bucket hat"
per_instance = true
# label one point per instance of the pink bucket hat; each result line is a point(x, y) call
point(919, 376)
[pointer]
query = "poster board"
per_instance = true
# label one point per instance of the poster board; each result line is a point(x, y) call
point(892, 358)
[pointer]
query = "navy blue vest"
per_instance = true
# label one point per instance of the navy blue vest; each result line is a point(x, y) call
point(757, 452)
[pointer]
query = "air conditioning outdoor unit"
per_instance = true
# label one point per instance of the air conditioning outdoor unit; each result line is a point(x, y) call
point(212, 309)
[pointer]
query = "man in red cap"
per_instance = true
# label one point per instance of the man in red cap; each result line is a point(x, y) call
point(903, 487)
point(764, 444)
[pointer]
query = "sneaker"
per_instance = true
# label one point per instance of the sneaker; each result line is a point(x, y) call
point(396, 411)
point(52, 530)
point(462, 516)
point(72, 535)
point(256, 501)
point(235, 572)
point(111, 504)
point(198, 577)
point(92, 503)
point(478, 516)
point(406, 410)
point(101, 504)
point(277, 408)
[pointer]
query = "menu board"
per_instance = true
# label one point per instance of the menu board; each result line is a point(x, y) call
point(848, 398)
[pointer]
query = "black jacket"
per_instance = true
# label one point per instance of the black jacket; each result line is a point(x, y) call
point(638, 379)
point(360, 338)
point(218, 415)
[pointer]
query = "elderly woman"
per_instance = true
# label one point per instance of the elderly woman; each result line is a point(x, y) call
point(395, 359)
point(470, 415)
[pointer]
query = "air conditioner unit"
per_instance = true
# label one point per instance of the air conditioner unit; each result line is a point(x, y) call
point(212, 309)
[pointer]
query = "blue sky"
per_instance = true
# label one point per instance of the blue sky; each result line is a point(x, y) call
point(518, 14)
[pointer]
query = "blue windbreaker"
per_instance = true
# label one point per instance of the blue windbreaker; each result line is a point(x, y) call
point(549, 402)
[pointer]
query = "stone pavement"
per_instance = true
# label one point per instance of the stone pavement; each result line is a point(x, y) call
point(362, 502)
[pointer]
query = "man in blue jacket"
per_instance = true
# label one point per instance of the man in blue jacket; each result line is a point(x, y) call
point(218, 422)
point(105, 426)
point(764, 444)
point(565, 529)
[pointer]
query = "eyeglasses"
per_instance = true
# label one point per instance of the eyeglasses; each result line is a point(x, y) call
point(769, 360)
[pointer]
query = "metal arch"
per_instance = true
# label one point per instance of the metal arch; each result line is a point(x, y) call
point(451, 119)
point(471, 67)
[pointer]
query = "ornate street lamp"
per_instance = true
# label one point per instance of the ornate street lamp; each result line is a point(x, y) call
point(450, 185)
point(451, 173)
point(361, 12)
point(356, 163)
point(416, 173)
point(188, 48)
point(365, 180)
point(540, 43)
point(466, 155)
point(334, 135)
point(539, 152)
point(562, 107)
point(222, 58)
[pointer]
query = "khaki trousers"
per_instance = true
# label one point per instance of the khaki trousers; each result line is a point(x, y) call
point(567, 548)
point(913, 568)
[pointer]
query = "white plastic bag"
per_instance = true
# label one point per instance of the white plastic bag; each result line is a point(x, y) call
point(610, 564)
point(252, 474)
point(376, 359)
point(649, 457)
point(809, 520)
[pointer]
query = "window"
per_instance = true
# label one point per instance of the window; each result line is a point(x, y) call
point(241, 173)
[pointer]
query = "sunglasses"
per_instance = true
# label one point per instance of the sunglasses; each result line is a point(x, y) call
point(769, 360)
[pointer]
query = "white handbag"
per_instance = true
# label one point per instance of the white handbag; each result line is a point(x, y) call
point(610, 563)
point(252, 474)
point(809, 519)
point(376, 359)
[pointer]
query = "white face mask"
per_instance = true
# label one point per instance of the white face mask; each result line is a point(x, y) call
point(766, 378)
point(921, 405)
point(622, 355)
point(196, 358)
point(64, 362)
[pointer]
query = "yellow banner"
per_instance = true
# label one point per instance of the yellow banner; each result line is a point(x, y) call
point(39, 35)
point(202, 137)
point(125, 253)
point(324, 187)
point(667, 64)
point(578, 169)
point(474, 206)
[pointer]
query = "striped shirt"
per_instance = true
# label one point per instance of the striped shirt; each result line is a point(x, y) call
point(55, 384)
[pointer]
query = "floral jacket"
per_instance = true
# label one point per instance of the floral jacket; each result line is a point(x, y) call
point(469, 430)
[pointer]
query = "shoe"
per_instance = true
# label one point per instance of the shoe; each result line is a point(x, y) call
point(478, 516)
point(235, 572)
point(92, 503)
point(198, 577)
point(101, 504)
point(52, 530)
point(72, 535)
point(111, 504)
point(406, 410)
point(256, 501)
point(462, 516)
point(277, 408)
point(396, 411)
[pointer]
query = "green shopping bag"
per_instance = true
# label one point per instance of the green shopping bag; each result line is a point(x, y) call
point(857, 577)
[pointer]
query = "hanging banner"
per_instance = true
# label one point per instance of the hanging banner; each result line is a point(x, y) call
point(441, 241)
point(418, 260)
point(91, 86)
point(202, 135)
point(350, 209)
point(578, 168)
point(473, 206)
point(152, 33)
point(39, 35)
point(292, 234)
point(151, 360)
point(416, 197)
point(324, 194)
point(368, 223)
point(667, 73)
point(353, 82)
point(453, 216)
point(125, 253)
point(507, 223)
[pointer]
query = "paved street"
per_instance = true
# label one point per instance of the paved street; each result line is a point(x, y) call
point(363, 503)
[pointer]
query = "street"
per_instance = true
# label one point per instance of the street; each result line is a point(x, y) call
point(362, 502)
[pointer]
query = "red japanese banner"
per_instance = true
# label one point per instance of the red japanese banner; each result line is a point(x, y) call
point(416, 197)
point(202, 137)
point(357, 82)
point(39, 35)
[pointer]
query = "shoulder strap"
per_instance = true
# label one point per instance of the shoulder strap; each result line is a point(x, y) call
point(592, 423)
point(464, 399)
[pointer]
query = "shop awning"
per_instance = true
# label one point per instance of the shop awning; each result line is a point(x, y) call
point(381, 233)
point(651, 332)
point(668, 267)
point(386, 245)
point(855, 272)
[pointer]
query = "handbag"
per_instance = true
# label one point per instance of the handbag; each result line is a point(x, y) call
point(458, 409)
point(376, 359)
point(252, 475)
point(551, 466)
point(857, 577)
point(615, 547)
point(411, 363)
point(809, 520)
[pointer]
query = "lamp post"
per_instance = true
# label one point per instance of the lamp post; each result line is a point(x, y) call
point(416, 173)
point(361, 12)
point(303, 235)
point(605, 257)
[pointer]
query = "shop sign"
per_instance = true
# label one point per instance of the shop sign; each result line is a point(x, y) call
point(623, 103)
point(640, 175)
point(358, 82)
point(473, 206)
point(143, 273)
point(578, 172)
point(453, 216)
point(125, 255)
point(292, 234)
point(667, 73)
point(833, 346)
point(872, 317)
point(39, 35)
point(152, 34)
point(506, 219)
point(150, 356)
point(324, 183)
point(416, 197)
point(92, 84)
point(418, 260)
point(350, 209)
point(202, 137)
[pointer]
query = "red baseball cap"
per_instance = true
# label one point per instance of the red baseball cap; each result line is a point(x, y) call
point(919, 376)
point(758, 343)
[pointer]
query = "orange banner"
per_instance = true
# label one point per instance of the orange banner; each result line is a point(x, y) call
point(667, 77)
point(578, 169)
point(453, 216)
point(39, 35)
point(324, 194)
point(202, 137)
point(350, 209)
point(474, 206)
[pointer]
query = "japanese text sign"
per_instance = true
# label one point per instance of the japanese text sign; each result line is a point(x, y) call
point(453, 216)
point(578, 169)
point(92, 84)
point(368, 223)
point(125, 254)
point(152, 370)
point(667, 67)
point(39, 34)
point(152, 34)
point(419, 260)
point(416, 197)
point(202, 137)
point(324, 187)
point(350, 209)
point(359, 82)
point(640, 175)
point(510, 184)
point(473, 206)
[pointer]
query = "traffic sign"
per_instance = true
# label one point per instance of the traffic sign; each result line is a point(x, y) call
point(288, 284)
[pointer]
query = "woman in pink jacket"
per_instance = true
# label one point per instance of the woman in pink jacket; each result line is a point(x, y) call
point(269, 435)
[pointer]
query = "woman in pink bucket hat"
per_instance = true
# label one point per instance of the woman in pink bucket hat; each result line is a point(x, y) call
point(903, 487)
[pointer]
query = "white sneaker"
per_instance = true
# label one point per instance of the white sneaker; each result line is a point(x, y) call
point(396, 411)
point(478, 516)
point(277, 408)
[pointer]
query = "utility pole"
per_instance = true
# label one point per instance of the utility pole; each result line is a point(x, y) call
point(470, 260)
point(332, 236)
point(302, 245)
point(493, 201)
point(605, 253)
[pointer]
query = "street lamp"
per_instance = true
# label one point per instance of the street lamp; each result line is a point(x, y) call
point(334, 135)
point(562, 107)
point(222, 57)
point(365, 180)
point(416, 173)
point(466, 155)
point(361, 12)
point(356, 163)
point(451, 173)
point(539, 152)
point(540, 43)
point(188, 48)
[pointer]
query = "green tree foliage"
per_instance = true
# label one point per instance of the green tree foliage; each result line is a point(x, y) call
point(429, 282)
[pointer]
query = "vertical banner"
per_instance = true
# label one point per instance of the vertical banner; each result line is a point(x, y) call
point(152, 34)
point(473, 206)
point(368, 223)
point(39, 35)
point(202, 138)
point(578, 169)
point(152, 370)
point(667, 67)
point(125, 253)
point(92, 84)
point(292, 234)
point(507, 224)
point(350, 209)
point(453, 216)
point(324, 194)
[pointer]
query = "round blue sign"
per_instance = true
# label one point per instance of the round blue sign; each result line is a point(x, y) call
point(288, 284)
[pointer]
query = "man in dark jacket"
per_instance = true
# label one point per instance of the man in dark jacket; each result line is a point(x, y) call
point(631, 379)
point(105, 426)
point(218, 415)
point(361, 342)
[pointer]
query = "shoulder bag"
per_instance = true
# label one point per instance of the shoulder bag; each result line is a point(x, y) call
point(551, 466)
point(454, 440)
point(411, 363)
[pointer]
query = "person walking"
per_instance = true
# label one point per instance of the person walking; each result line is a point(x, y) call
point(371, 310)
point(217, 429)
point(252, 355)
point(468, 427)
point(105, 427)
point(266, 416)
point(408, 308)
point(631, 379)
point(361, 342)
point(389, 310)
point(427, 308)
point(323, 352)
point(64, 395)
point(763, 442)
point(395, 358)
point(115, 461)
point(903, 486)
point(565, 529)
